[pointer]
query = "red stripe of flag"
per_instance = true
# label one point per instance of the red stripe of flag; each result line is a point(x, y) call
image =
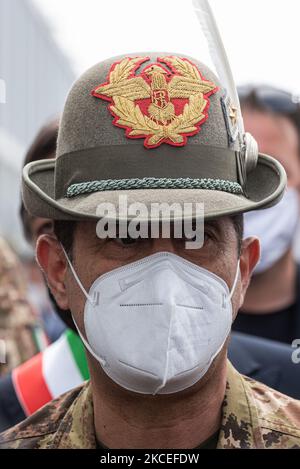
point(30, 386)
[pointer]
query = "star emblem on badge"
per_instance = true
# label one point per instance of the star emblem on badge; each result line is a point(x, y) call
point(233, 114)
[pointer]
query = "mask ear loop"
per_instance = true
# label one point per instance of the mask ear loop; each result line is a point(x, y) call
point(77, 278)
point(235, 281)
point(87, 345)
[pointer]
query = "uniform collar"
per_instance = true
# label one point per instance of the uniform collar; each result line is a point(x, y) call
point(77, 429)
point(239, 428)
point(240, 425)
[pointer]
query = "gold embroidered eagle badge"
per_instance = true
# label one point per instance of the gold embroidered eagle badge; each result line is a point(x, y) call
point(163, 104)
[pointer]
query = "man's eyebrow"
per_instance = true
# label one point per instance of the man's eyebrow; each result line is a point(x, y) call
point(212, 224)
point(96, 240)
point(217, 227)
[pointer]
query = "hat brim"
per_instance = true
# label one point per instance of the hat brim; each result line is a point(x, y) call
point(265, 187)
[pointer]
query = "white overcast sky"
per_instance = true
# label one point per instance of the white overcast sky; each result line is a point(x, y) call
point(261, 36)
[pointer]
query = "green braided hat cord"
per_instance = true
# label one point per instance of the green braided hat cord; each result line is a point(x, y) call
point(153, 183)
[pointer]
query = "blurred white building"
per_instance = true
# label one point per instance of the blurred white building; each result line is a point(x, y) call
point(34, 79)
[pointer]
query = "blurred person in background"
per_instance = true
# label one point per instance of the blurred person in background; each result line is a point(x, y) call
point(43, 147)
point(62, 366)
point(20, 330)
point(272, 304)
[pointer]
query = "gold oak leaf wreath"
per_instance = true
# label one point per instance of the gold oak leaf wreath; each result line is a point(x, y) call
point(123, 91)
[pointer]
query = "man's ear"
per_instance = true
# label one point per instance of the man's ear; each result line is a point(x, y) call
point(250, 255)
point(53, 263)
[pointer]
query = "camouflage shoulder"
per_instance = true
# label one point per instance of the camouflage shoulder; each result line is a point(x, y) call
point(37, 431)
point(278, 416)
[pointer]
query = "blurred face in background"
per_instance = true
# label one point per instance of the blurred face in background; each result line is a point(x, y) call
point(276, 136)
point(42, 147)
point(277, 228)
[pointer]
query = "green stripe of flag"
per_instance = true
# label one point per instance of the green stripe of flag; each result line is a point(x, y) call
point(78, 353)
point(39, 338)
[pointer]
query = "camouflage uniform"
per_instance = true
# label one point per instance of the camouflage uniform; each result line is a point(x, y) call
point(254, 416)
point(18, 325)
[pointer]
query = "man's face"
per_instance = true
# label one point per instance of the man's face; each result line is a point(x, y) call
point(92, 257)
point(278, 137)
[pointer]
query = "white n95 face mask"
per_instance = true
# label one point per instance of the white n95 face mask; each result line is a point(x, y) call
point(156, 325)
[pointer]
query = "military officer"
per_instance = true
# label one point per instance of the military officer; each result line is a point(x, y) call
point(154, 314)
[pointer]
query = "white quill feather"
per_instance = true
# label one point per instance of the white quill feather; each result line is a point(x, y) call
point(218, 54)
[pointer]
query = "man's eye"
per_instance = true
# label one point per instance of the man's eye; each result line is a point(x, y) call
point(208, 236)
point(126, 241)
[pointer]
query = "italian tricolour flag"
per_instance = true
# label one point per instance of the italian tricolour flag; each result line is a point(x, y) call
point(59, 368)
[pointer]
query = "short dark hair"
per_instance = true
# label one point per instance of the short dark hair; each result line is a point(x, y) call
point(238, 223)
point(64, 231)
point(43, 146)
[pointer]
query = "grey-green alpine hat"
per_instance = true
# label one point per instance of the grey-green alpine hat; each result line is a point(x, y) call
point(156, 128)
